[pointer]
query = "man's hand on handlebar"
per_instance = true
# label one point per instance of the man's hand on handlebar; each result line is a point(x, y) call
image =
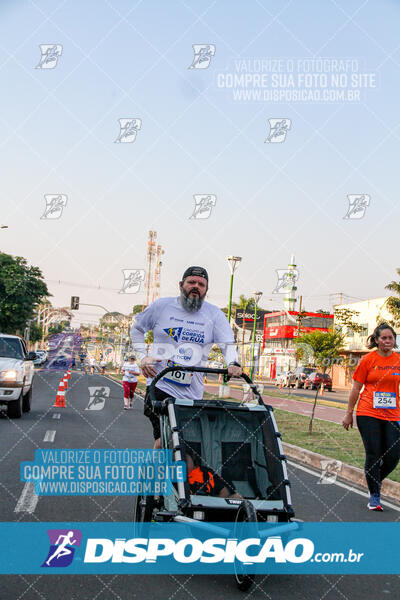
point(234, 371)
point(147, 366)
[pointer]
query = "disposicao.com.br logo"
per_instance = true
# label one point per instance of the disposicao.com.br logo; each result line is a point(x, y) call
point(62, 547)
point(212, 551)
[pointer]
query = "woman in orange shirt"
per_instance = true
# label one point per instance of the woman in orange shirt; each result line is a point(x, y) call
point(378, 409)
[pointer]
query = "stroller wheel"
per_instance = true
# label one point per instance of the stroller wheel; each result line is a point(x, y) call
point(246, 514)
point(143, 509)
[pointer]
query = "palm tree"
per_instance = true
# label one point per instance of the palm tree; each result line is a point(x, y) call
point(393, 303)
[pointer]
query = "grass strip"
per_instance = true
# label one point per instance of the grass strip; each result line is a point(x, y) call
point(329, 439)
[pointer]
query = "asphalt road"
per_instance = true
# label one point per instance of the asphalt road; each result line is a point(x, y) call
point(112, 427)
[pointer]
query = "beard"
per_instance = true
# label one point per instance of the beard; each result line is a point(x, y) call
point(193, 303)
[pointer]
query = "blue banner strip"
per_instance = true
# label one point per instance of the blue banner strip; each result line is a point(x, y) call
point(130, 548)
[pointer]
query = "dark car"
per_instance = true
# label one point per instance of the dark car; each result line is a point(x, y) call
point(299, 375)
point(315, 380)
point(61, 360)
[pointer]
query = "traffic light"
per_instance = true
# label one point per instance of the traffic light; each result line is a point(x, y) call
point(74, 302)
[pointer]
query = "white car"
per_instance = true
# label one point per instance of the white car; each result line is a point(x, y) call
point(283, 378)
point(41, 357)
point(16, 375)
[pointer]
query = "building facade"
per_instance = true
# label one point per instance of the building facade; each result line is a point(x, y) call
point(281, 328)
point(370, 313)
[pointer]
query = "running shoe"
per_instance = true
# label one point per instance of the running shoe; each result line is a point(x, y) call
point(374, 502)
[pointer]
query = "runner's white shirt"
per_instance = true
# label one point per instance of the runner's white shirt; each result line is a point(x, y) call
point(129, 369)
point(184, 338)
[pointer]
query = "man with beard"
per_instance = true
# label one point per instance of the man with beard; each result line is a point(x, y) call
point(184, 330)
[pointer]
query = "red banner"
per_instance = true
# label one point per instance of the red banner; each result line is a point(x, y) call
point(288, 331)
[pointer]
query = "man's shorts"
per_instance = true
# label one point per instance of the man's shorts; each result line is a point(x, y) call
point(148, 410)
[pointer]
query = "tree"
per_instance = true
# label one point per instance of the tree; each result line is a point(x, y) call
point(216, 354)
point(22, 289)
point(137, 309)
point(149, 337)
point(248, 303)
point(393, 302)
point(35, 333)
point(57, 328)
point(322, 349)
point(344, 318)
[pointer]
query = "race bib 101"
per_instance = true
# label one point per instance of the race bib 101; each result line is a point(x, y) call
point(183, 378)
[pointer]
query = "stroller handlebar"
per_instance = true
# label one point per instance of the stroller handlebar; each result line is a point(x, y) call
point(161, 374)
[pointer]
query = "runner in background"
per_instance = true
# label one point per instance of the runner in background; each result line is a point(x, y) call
point(378, 410)
point(92, 363)
point(130, 372)
point(103, 366)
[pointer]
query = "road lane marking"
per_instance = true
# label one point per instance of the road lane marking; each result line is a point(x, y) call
point(56, 415)
point(49, 436)
point(343, 485)
point(28, 499)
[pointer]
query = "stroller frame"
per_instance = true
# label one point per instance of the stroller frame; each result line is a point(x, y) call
point(258, 419)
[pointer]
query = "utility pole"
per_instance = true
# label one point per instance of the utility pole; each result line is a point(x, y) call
point(299, 317)
point(299, 324)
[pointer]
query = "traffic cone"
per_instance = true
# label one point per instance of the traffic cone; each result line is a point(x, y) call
point(65, 380)
point(69, 373)
point(60, 398)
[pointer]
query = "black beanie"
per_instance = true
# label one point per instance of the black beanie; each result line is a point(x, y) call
point(199, 271)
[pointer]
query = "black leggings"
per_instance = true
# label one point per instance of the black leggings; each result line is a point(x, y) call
point(382, 449)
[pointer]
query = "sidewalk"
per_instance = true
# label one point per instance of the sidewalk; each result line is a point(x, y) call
point(339, 388)
point(300, 407)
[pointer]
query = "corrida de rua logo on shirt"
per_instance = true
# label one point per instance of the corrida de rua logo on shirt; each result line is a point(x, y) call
point(173, 332)
point(184, 334)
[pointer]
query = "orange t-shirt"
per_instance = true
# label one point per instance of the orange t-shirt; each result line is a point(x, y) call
point(378, 374)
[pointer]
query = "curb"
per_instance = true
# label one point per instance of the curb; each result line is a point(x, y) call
point(347, 473)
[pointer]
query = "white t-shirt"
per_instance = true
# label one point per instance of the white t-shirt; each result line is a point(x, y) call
point(129, 369)
point(184, 338)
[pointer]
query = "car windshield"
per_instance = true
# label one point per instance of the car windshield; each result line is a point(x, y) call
point(10, 348)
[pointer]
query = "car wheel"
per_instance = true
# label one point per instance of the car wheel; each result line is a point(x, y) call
point(26, 401)
point(14, 408)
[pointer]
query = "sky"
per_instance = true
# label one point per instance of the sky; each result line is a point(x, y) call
point(199, 134)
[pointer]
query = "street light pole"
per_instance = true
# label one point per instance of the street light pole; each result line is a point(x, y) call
point(257, 296)
point(233, 264)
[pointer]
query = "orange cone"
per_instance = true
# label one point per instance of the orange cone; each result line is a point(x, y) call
point(60, 398)
point(69, 373)
point(65, 380)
